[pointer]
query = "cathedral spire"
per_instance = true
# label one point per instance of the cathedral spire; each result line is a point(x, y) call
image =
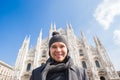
point(67, 26)
point(51, 30)
point(82, 34)
point(97, 41)
point(26, 42)
point(71, 28)
point(39, 40)
point(67, 31)
point(54, 27)
point(40, 35)
point(51, 26)
point(38, 49)
point(84, 40)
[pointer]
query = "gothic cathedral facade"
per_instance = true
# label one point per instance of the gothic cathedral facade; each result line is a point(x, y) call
point(94, 59)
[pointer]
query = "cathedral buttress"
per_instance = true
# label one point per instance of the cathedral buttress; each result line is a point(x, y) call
point(38, 50)
point(20, 65)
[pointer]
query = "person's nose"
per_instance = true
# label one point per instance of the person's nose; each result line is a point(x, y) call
point(58, 49)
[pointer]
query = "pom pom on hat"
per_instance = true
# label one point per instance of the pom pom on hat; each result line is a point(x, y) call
point(55, 33)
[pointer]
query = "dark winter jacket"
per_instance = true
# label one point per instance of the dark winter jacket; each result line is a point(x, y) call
point(71, 71)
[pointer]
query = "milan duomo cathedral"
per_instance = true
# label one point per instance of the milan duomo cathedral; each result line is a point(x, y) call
point(94, 59)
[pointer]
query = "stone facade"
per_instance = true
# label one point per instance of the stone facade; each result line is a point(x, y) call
point(6, 71)
point(94, 59)
point(118, 73)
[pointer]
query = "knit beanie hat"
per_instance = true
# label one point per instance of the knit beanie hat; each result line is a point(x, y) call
point(56, 37)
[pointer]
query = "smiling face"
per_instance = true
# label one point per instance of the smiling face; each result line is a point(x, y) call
point(58, 51)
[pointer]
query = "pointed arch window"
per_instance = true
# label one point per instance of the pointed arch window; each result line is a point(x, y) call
point(28, 67)
point(81, 52)
point(44, 54)
point(97, 64)
point(102, 78)
point(84, 64)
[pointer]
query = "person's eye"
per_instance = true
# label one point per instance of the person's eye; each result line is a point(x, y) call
point(53, 46)
point(62, 46)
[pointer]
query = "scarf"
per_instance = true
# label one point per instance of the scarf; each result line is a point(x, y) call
point(52, 66)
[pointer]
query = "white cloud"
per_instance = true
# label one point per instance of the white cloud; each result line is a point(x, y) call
point(106, 11)
point(116, 37)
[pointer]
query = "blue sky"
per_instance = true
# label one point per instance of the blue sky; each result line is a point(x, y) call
point(19, 18)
